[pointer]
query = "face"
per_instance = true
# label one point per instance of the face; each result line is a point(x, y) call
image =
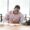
point(16, 10)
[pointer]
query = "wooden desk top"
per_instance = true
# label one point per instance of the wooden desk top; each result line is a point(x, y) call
point(14, 27)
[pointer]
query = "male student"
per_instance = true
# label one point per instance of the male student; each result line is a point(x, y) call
point(15, 16)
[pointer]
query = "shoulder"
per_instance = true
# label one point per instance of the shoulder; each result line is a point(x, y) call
point(10, 12)
point(21, 14)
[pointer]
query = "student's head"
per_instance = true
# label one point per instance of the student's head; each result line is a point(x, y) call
point(17, 7)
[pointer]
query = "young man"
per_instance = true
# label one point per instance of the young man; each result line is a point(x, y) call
point(14, 16)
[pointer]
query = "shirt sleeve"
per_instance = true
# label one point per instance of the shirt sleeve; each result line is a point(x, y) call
point(6, 18)
point(22, 19)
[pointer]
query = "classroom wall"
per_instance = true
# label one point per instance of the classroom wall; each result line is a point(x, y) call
point(24, 4)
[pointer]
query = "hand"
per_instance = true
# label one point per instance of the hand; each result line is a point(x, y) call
point(15, 21)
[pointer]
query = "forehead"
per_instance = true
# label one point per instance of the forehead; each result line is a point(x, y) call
point(16, 8)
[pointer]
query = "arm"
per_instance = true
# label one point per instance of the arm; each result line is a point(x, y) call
point(6, 18)
point(22, 20)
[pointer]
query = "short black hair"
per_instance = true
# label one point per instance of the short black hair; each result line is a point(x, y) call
point(17, 6)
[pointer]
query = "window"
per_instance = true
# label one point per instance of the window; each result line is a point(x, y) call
point(3, 7)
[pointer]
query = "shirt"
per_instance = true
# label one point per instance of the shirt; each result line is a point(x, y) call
point(12, 18)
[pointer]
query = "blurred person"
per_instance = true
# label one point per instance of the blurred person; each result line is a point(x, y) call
point(15, 16)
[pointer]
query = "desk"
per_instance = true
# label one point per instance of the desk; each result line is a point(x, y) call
point(14, 27)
